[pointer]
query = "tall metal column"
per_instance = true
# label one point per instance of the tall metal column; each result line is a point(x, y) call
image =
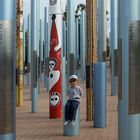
point(102, 30)
point(77, 44)
point(7, 69)
point(46, 48)
point(64, 83)
point(55, 55)
point(114, 80)
point(34, 52)
point(100, 69)
point(71, 36)
point(83, 43)
point(29, 49)
point(41, 52)
point(129, 105)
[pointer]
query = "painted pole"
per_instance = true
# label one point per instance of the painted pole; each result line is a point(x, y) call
point(100, 70)
point(34, 52)
point(19, 74)
point(71, 36)
point(7, 70)
point(89, 63)
point(83, 44)
point(129, 105)
point(55, 76)
point(46, 48)
point(95, 31)
point(114, 37)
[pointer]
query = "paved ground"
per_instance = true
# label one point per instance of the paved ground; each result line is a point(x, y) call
point(38, 126)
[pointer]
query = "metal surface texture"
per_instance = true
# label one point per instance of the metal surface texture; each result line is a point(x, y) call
point(115, 62)
point(46, 66)
point(119, 69)
point(71, 63)
point(6, 76)
point(134, 67)
point(34, 65)
point(104, 56)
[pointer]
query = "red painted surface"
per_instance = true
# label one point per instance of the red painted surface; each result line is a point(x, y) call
point(55, 56)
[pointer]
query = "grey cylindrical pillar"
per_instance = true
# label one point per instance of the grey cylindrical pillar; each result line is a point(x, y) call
point(7, 70)
point(114, 38)
point(64, 83)
point(46, 48)
point(41, 52)
point(83, 44)
point(129, 107)
point(100, 95)
point(71, 36)
point(77, 44)
point(73, 130)
point(102, 30)
point(34, 52)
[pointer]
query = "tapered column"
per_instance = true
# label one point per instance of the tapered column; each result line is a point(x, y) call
point(55, 75)
point(7, 69)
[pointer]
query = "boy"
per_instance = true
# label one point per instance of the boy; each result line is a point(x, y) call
point(74, 94)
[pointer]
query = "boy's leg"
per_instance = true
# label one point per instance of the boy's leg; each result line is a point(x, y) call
point(73, 109)
point(67, 112)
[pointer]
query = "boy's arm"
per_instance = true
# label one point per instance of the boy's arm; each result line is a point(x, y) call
point(81, 91)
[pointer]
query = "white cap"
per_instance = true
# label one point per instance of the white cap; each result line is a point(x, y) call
point(73, 77)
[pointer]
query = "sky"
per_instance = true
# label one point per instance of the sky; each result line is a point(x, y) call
point(45, 3)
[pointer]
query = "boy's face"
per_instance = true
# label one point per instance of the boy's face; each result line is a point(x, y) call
point(73, 82)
